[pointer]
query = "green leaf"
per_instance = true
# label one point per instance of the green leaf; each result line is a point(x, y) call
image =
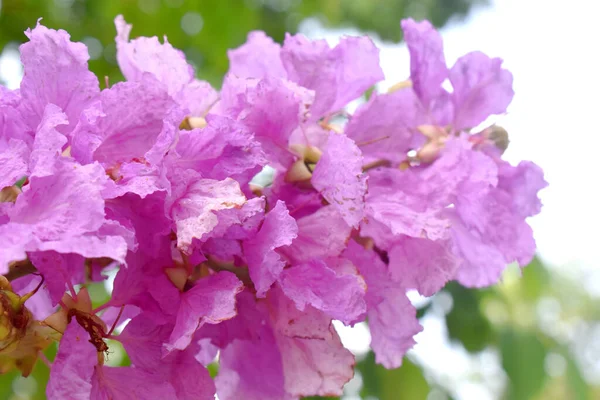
point(578, 387)
point(34, 385)
point(424, 309)
point(535, 280)
point(523, 356)
point(213, 369)
point(21, 182)
point(98, 293)
point(406, 382)
point(224, 23)
point(466, 323)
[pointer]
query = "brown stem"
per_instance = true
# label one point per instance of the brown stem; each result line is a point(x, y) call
point(20, 269)
point(375, 164)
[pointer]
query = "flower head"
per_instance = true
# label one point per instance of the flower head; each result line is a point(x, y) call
point(244, 222)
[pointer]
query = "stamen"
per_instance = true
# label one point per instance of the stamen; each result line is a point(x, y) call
point(372, 141)
point(116, 321)
point(71, 289)
point(101, 308)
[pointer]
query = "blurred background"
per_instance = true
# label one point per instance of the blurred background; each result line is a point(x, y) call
point(536, 335)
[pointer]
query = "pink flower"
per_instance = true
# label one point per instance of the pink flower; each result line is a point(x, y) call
point(157, 178)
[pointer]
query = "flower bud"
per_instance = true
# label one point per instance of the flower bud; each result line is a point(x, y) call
point(190, 123)
point(400, 85)
point(9, 194)
point(498, 136)
point(302, 169)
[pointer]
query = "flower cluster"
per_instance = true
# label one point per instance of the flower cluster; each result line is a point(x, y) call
point(243, 221)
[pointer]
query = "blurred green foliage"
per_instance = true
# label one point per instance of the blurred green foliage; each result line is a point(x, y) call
point(204, 30)
point(406, 382)
point(538, 361)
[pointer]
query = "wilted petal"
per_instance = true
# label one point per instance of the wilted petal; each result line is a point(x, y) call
point(264, 263)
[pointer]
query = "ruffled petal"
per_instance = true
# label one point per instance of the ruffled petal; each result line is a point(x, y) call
point(264, 263)
point(210, 301)
point(339, 178)
point(481, 88)
point(427, 62)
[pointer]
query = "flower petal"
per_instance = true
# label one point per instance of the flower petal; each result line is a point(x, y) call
point(339, 177)
point(264, 263)
point(338, 295)
point(211, 301)
point(481, 88)
point(68, 84)
point(259, 57)
point(427, 63)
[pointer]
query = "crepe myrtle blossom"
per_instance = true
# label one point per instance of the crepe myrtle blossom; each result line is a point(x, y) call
point(156, 177)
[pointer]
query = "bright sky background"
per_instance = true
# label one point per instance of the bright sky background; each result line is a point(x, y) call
point(552, 48)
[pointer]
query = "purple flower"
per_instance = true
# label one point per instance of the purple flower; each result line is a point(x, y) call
point(168, 65)
point(336, 75)
point(242, 223)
